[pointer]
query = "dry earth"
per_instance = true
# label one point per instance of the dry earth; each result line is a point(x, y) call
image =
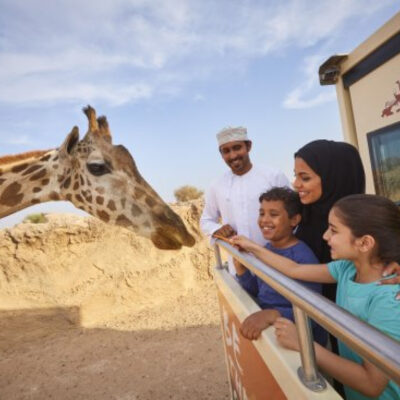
point(89, 311)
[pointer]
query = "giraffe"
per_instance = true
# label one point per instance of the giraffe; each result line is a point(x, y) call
point(96, 176)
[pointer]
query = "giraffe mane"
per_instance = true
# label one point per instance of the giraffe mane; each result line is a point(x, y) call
point(15, 158)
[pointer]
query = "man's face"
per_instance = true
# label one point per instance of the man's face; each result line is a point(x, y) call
point(236, 156)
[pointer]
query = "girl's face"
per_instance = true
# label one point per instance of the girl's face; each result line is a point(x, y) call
point(340, 238)
point(307, 183)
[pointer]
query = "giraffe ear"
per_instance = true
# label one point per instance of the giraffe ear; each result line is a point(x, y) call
point(104, 129)
point(70, 142)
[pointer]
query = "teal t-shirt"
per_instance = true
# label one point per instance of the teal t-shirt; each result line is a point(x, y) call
point(372, 303)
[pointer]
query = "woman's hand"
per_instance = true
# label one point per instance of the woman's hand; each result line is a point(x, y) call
point(286, 334)
point(390, 269)
point(242, 243)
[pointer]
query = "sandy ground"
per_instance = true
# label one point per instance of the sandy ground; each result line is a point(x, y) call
point(44, 356)
point(93, 312)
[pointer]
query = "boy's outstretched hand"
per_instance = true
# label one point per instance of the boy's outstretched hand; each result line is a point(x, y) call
point(254, 324)
point(286, 334)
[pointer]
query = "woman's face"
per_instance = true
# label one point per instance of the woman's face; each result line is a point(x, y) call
point(306, 182)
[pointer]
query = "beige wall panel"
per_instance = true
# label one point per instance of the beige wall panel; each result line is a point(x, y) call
point(374, 106)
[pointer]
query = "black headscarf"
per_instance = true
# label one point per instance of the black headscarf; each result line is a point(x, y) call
point(339, 166)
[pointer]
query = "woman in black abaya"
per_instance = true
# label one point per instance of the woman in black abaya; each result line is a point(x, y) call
point(325, 171)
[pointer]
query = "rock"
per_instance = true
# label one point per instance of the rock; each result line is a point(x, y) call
point(105, 271)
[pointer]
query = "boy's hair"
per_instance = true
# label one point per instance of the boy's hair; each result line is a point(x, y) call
point(287, 196)
point(367, 214)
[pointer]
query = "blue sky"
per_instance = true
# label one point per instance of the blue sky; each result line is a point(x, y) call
point(169, 74)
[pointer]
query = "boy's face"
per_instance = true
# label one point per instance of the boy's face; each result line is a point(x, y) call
point(274, 221)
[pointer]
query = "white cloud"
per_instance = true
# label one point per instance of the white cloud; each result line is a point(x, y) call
point(296, 99)
point(309, 93)
point(120, 51)
point(20, 140)
point(199, 97)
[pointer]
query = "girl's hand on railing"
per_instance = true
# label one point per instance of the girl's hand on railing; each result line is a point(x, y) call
point(286, 334)
point(242, 243)
point(392, 268)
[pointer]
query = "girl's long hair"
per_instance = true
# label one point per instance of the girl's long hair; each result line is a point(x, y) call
point(366, 214)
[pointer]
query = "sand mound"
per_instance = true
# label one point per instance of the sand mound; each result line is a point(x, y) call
point(60, 278)
point(74, 261)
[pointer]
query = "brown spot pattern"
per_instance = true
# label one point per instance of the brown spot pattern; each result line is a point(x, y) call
point(150, 202)
point(45, 182)
point(35, 201)
point(31, 169)
point(136, 210)
point(2, 180)
point(100, 190)
point(99, 200)
point(124, 221)
point(67, 183)
point(38, 175)
point(54, 196)
point(10, 196)
point(76, 186)
point(139, 193)
point(37, 189)
point(79, 198)
point(111, 205)
point(45, 158)
point(86, 194)
point(123, 202)
point(19, 168)
point(103, 215)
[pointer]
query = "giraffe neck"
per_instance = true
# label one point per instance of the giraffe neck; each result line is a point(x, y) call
point(28, 179)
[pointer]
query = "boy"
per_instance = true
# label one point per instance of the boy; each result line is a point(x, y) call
point(279, 214)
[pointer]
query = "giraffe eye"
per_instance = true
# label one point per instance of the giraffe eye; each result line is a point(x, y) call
point(98, 169)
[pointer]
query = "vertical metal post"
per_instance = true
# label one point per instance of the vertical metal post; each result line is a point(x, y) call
point(218, 257)
point(308, 372)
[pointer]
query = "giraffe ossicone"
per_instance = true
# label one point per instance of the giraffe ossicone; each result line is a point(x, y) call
point(96, 176)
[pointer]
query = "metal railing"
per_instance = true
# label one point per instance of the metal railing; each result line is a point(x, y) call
point(364, 339)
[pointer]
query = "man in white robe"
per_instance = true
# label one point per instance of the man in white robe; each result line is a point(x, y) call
point(231, 202)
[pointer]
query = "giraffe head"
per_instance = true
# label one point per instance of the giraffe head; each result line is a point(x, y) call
point(102, 179)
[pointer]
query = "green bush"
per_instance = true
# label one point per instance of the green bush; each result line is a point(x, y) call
point(187, 192)
point(39, 218)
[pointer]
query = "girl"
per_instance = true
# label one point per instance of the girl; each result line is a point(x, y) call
point(363, 235)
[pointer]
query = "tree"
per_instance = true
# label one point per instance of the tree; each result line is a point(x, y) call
point(39, 218)
point(187, 192)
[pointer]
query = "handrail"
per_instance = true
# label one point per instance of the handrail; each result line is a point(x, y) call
point(367, 341)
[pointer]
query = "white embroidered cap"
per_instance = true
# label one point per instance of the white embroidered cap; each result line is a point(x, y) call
point(231, 134)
